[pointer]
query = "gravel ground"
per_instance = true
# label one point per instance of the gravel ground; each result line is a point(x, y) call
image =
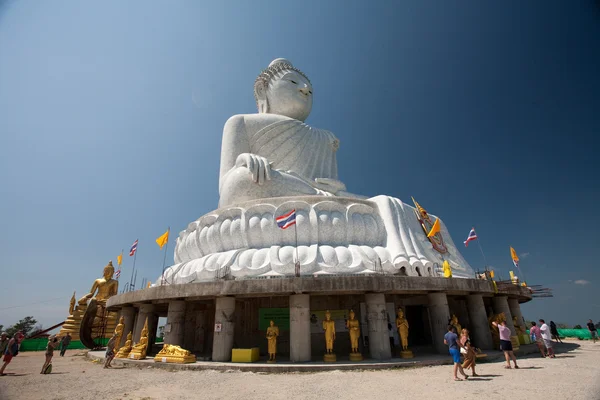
point(572, 374)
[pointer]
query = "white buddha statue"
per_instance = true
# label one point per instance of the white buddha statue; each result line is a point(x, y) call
point(272, 162)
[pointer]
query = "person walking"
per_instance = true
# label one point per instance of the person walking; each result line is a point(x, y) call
point(451, 340)
point(547, 337)
point(554, 332)
point(536, 337)
point(110, 351)
point(505, 343)
point(468, 351)
point(64, 344)
point(3, 342)
point(593, 331)
point(53, 343)
point(12, 349)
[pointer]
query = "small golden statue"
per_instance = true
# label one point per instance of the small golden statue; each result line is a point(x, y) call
point(126, 349)
point(454, 322)
point(329, 328)
point(171, 353)
point(138, 352)
point(272, 333)
point(72, 304)
point(354, 330)
point(402, 326)
point(119, 333)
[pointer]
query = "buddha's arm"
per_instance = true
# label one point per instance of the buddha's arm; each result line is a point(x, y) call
point(235, 142)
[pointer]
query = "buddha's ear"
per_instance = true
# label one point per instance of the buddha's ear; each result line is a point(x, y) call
point(261, 97)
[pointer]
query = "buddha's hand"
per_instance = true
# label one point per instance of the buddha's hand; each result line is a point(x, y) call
point(258, 166)
point(329, 185)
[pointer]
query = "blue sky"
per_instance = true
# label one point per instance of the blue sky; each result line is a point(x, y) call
point(111, 116)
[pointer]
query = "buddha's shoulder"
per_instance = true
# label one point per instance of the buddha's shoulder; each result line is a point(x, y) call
point(256, 119)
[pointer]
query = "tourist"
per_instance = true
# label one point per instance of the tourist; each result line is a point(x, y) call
point(451, 340)
point(536, 337)
point(554, 332)
point(468, 351)
point(53, 343)
point(12, 349)
point(3, 342)
point(505, 343)
point(110, 351)
point(547, 337)
point(593, 330)
point(64, 344)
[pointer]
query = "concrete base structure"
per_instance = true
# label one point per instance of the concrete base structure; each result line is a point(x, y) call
point(500, 304)
point(300, 349)
point(128, 314)
point(224, 328)
point(212, 318)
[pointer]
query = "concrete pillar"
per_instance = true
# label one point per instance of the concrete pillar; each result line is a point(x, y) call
point(174, 328)
point(128, 314)
point(300, 348)
point(515, 310)
point(439, 314)
point(144, 312)
point(152, 328)
point(479, 329)
point(379, 336)
point(223, 340)
point(500, 305)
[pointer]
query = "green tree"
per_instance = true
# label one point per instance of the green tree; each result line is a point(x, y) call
point(1, 328)
point(577, 327)
point(560, 325)
point(25, 325)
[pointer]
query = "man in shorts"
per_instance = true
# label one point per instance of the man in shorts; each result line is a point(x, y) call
point(110, 351)
point(547, 336)
point(12, 349)
point(593, 330)
point(451, 340)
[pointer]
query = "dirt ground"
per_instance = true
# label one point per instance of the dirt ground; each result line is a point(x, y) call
point(573, 374)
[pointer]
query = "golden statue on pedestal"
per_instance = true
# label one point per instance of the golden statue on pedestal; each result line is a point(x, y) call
point(454, 322)
point(138, 352)
point(119, 333)
point(97, 322)
point(354, 330)
point(447, 269)
point(171, 353)
point(126, 349)
point(73, 322)
point(72, 304)
point(329, 328)
point(402, 326)
point(272, 333)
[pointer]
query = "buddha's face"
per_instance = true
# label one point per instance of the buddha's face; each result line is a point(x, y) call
point(351, 314)
point(272, 323)
point(290, 95)
point(400, 313)
point(327, 315)
point(108, 272)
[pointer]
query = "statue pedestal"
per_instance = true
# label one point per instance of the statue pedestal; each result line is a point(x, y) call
point(406, 353)
point(271, 361)
point(355, 357)
point(329, 357)
point(175, 359)
point(524, 339)
point(515, 342)
point(136, 356)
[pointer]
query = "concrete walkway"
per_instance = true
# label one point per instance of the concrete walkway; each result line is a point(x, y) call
point(314, 366)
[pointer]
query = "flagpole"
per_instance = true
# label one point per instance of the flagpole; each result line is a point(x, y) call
point(480, 248)
point(297, 263)
point(134, 279)
point(162, 278)
point(120, 269)
point(133, 268)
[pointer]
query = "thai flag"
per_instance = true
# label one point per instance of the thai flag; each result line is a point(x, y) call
point(472, 236)
point(118, 273)
point(133, 248)
point(286, 220)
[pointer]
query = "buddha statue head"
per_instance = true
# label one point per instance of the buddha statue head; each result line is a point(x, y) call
point(272, 323)
point(352, 314)
point(109, 270)
point(400, 313)
point(284, 90)
point(327, 315)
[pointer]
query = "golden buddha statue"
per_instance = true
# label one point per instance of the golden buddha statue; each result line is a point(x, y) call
point(73, 321)
point(354, 330)
point(126, 349)
point(171, 353)
point(329, 328)
point(119, 333)
point(138, 352)
point(272, 333)
point(72, 304)
point(454, 322)
point(104, 287)
point(402, 326)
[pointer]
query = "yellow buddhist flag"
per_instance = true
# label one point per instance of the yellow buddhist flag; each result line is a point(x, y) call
point(163, 239)
point(435, 228)
point(513, 254)
point(120, 258)
point(492, 274)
